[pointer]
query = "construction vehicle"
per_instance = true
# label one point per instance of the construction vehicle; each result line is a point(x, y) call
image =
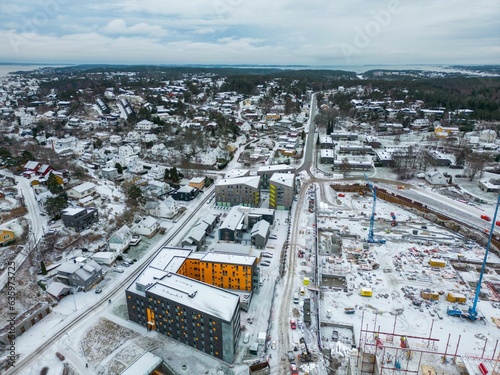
point(394, 222)
point(305, 355)
point(472, 313)
point(371, 239)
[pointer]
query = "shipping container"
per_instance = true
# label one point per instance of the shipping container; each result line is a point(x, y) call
point(437, 263)
point(366, 292)
point(455, 297)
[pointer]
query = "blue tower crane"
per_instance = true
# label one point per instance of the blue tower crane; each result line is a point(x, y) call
point(472, 313)
point(371, 239)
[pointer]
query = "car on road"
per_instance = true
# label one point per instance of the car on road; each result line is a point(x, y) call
point(293, 369)
point(293, 324)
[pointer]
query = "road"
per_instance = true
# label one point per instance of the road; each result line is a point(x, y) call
point(99, 307)
point(36, 223)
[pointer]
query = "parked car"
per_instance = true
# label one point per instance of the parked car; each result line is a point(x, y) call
point(267, 254)
point(119, 270)
point(265, 263)
point(293, 324)
point(335, 335)
point(98, 291)
point(273, 237)
point(125, 264)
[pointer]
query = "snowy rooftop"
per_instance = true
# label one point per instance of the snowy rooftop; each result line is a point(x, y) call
point(200, 296)
point(276, 167)
point(252, 181)
point(84, 187)
point(229, 258)
point(283, 178)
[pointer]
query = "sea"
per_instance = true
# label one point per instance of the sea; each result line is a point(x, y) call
point(5, 69)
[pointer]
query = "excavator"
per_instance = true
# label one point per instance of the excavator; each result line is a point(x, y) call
point(306, 355)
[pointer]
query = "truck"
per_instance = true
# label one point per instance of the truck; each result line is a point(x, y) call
point(307, 311)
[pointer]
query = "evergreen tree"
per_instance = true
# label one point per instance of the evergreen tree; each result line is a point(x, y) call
point(43, 268)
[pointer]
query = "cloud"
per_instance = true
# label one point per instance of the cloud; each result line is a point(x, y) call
point(119, 27)
point(258, 32)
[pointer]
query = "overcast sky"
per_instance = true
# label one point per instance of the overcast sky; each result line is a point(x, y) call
point(284, 32)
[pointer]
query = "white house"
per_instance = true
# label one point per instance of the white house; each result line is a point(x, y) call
point(166, 209)
point(150, 137)
point(120, 240)
point(125, 151)
point(145, 125)
point(158, 149)
point(82, 190)
point(147, 226)
point(435, 178)
point(133, 136)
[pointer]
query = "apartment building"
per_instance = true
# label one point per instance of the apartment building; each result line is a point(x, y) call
point(244, 191)
point(180, 294)
point(266, 172)
point(281, 191)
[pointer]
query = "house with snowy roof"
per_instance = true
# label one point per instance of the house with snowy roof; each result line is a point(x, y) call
point(147, 226)
point(119, 241)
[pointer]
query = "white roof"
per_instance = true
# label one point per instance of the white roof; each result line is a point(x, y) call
point(286, 179)
point(200, 296)
point(144, 365)
point(252, 181)
point(229, 258)
point(276, 167)
point(84, 187)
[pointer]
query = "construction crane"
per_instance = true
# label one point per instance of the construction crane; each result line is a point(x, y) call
point(371, 239)
point(472, 313)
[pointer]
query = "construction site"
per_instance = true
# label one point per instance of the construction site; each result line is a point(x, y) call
point(403, 285)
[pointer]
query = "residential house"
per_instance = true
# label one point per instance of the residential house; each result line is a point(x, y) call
point(44, 170)
point(32, 166)
point(145, 125)
point(109, 173)
point(81, 191)
point(6, 236)
point(79, 219)
point(105, 257)
point(326, 156)
point(150, 138)
point(259, 234)
point(147, 226)
point(237, 225)
point(81, 273)
point(158, 149)
point(17, 325)
point(133, 136)
point(119, 241)
point(165, 209)
point(185, 193)
point(435, 178)
point(197, 182)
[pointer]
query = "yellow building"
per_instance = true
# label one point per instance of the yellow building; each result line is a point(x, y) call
point(197, 182)
point(6, 236)
point(228, 271)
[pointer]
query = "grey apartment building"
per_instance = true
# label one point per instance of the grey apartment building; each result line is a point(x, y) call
point(197, 314)
point(281, 191)
point(267, 171)
point(240, 191)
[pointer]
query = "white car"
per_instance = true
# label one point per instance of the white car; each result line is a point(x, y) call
point(267, 254)
point(265, 263)
point(273, 237)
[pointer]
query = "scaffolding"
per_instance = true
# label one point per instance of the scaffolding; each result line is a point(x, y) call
point(388, 353)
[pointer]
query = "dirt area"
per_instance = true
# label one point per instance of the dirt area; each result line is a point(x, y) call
point(103, 338)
